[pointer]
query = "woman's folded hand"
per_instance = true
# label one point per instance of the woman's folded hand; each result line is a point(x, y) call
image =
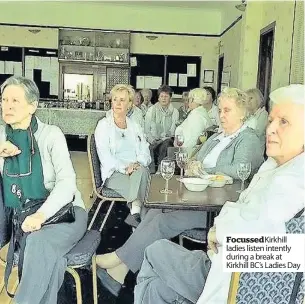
point(7, 149)
point(212, 240)
point(33, 222)
point(132, 167)
point(194, 168)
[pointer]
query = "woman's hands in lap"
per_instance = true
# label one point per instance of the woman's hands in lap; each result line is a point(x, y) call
point(7, 149)
point(132, 167)
point(33, 222)
point(212, 240)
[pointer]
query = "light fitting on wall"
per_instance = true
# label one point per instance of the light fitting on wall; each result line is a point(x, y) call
point(241, 7)
point(151, 37)
point(34, 31)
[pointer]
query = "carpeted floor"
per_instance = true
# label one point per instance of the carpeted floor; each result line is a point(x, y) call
point(114, 234)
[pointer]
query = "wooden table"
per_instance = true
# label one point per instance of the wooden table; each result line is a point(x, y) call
point(210, 200)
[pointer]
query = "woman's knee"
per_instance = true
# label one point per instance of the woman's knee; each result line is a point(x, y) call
point(144, 171)
point(37, 243)
point(164, 223)
point(153, 250)
point(81, 218)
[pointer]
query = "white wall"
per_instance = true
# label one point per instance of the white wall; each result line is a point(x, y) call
point(112, 15)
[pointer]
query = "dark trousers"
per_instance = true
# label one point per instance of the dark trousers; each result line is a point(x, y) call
point(158, 152)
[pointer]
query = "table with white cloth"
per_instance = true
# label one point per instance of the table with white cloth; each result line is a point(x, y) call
point(71, 121)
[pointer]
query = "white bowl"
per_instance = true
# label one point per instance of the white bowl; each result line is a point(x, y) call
point(195, 184)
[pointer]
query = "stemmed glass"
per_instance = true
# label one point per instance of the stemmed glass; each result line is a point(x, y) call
point(243, 172)
point(167, 172)
point(179, 140)
point(181, 159)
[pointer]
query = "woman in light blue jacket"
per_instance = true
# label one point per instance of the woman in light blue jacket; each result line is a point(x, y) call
point(123, 151)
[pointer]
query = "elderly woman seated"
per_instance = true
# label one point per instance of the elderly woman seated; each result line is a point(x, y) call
point(259, 116)
point(134, 112)
point(123, 150)
point(184, 109)
point(160, 125)
point(220, 153)
point(138, 99)
point(211, 107)
point(38, 181)
point(196, 122)
point(146, 104)
point(171, 273)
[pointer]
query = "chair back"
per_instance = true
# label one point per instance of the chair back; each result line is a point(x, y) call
point(94, 163)
point(270, 287)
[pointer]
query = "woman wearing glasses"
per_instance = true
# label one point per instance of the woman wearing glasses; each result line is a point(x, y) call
point(36, 166)
point(222, 152)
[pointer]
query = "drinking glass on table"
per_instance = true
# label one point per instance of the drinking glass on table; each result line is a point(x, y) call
point(179, 140)
point(167, 172)
point(243, 172)
point(181, 159)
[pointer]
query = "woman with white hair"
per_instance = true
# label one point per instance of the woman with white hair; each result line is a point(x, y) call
point(197, 120)
point(171, 273)
point(38, 181)
point(123, 150)
point(220, 153)
point(259, 116)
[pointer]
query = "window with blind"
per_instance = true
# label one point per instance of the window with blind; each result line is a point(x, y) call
point(297, 62)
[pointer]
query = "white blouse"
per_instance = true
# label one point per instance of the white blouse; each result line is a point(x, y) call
point(211, 159)
point(125, 151)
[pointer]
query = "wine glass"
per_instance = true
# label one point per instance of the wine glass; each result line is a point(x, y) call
point(179, 139)
point(181, 159)
point(243, 172)
point(167, 172)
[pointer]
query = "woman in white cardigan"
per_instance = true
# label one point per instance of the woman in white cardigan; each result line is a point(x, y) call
point(123, 150)
point(35, 164)
point(197, 120)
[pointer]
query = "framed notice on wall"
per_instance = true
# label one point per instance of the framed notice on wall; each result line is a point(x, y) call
point(208, 76)
point(226, 77)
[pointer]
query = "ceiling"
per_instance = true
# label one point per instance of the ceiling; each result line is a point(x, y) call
point(214, 5)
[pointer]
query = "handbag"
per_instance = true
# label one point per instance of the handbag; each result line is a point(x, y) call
point(18, 238)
